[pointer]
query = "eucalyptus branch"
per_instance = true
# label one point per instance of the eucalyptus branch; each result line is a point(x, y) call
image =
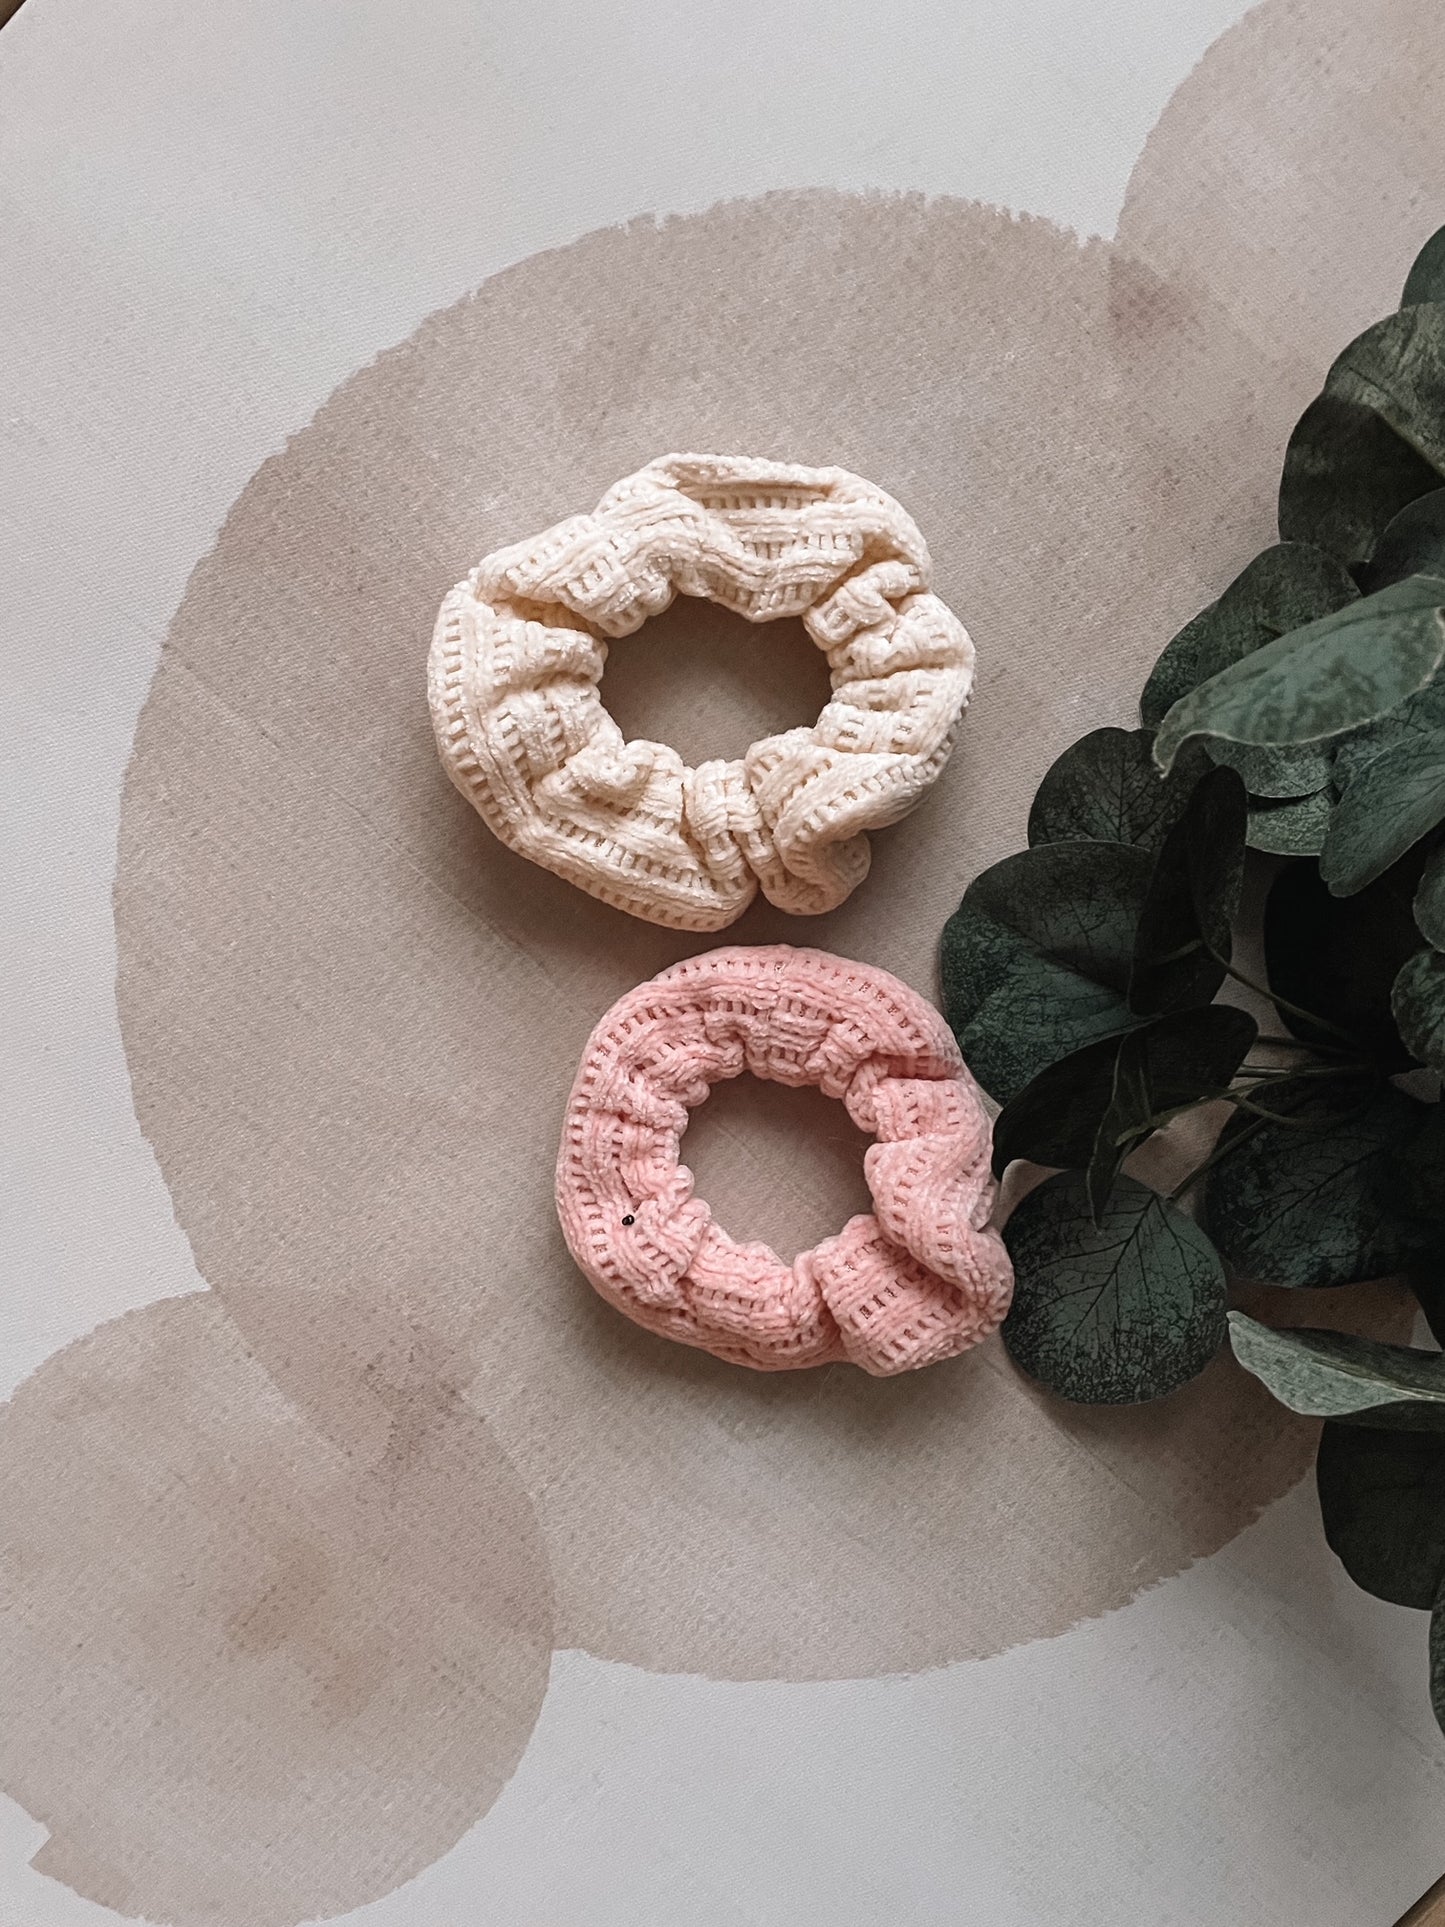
point(1263, 1111)
point(1314, 1048)
point(1260, 1115)
point(1287, 1074)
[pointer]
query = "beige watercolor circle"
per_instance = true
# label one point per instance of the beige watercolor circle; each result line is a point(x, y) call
point(251, 1675)
point(352, 1017)
point(1271, 216)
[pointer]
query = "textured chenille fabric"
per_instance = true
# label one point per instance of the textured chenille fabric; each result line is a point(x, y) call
point(521, 644)
point(923, 1277)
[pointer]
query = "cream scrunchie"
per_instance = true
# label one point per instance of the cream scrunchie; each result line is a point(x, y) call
point(519, 651)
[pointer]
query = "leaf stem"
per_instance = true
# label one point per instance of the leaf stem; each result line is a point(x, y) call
point(1290, 1043)
point(1287, 1074)
point(1273, 1117)
point(1216, 1156)
point(1280, 1003)
point(1259, 1117)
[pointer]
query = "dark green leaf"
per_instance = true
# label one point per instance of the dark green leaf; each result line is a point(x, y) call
point(1382, 1500)
point(1373, 441)
point(1183, 941)
point(1282, 589)
point(1275, 774)
point(1437, 1663)
point(1394, 801)
point(1117, 1312)
point(1289, 826)
point(1055, 1118)
point(1176, 1060)
point(1328, 1374)
point(1420, 715)
point(1430, 899)
point(1307, 1200)
point(1347, 474)
point(1427, 1281)
point(1339, 957)
point(1412, 544)
point(1322, 681)
point(1035, 960)
point(1419, 1006)
point(1107, 789)
point(1153, 1075)
point(1120, 1129)
point(1426, 279)
point(1419, 1189)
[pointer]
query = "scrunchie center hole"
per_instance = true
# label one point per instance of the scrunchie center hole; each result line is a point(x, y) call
point(710, 684)
point(777, 1164)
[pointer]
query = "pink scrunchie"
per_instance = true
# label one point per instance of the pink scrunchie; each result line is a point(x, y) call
point(922, 1279)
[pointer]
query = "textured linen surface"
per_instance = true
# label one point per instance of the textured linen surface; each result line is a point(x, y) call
point(409, 1514)
point(520, 648)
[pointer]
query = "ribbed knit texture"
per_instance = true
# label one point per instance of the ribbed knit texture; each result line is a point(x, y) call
point(921, 1279)
point(520, 648)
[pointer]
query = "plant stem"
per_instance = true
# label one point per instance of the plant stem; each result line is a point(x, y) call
point(1273, 1117)
point(1216, 1156)
point(1280, 1003)
point(1286, 1074)
point(1260, 1116)
point(1289, 1043)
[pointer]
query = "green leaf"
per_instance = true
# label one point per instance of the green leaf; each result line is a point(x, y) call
point(1055, 1118)
point(1035, 960)
point(1272, 773)
point(1283, 589)
point(1372, 441)
point(1382, 1501)
point(1290, 825)
point(1176, 1060)
point(1418, 1193)
point(1394, 801)
point(1430, 899)
point(1106, 789)
point(1328, 1374)
point(1324, 680)
point(1347, 474)
point(1168, 1065)
point(1429, 1286)
point(1420, 715)
point(1426, 279)
point(1339, 957)
point(1413, 544)
point(1437, 1663)
point(1419, 1006)
point(1113, 1313)
point(1306, 1200)
point(1184, 938)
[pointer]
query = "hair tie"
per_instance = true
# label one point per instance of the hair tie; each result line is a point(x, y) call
point(922, 1278)
point(520, 647)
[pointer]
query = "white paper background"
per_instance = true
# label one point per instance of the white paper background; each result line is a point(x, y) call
point(208, 217)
